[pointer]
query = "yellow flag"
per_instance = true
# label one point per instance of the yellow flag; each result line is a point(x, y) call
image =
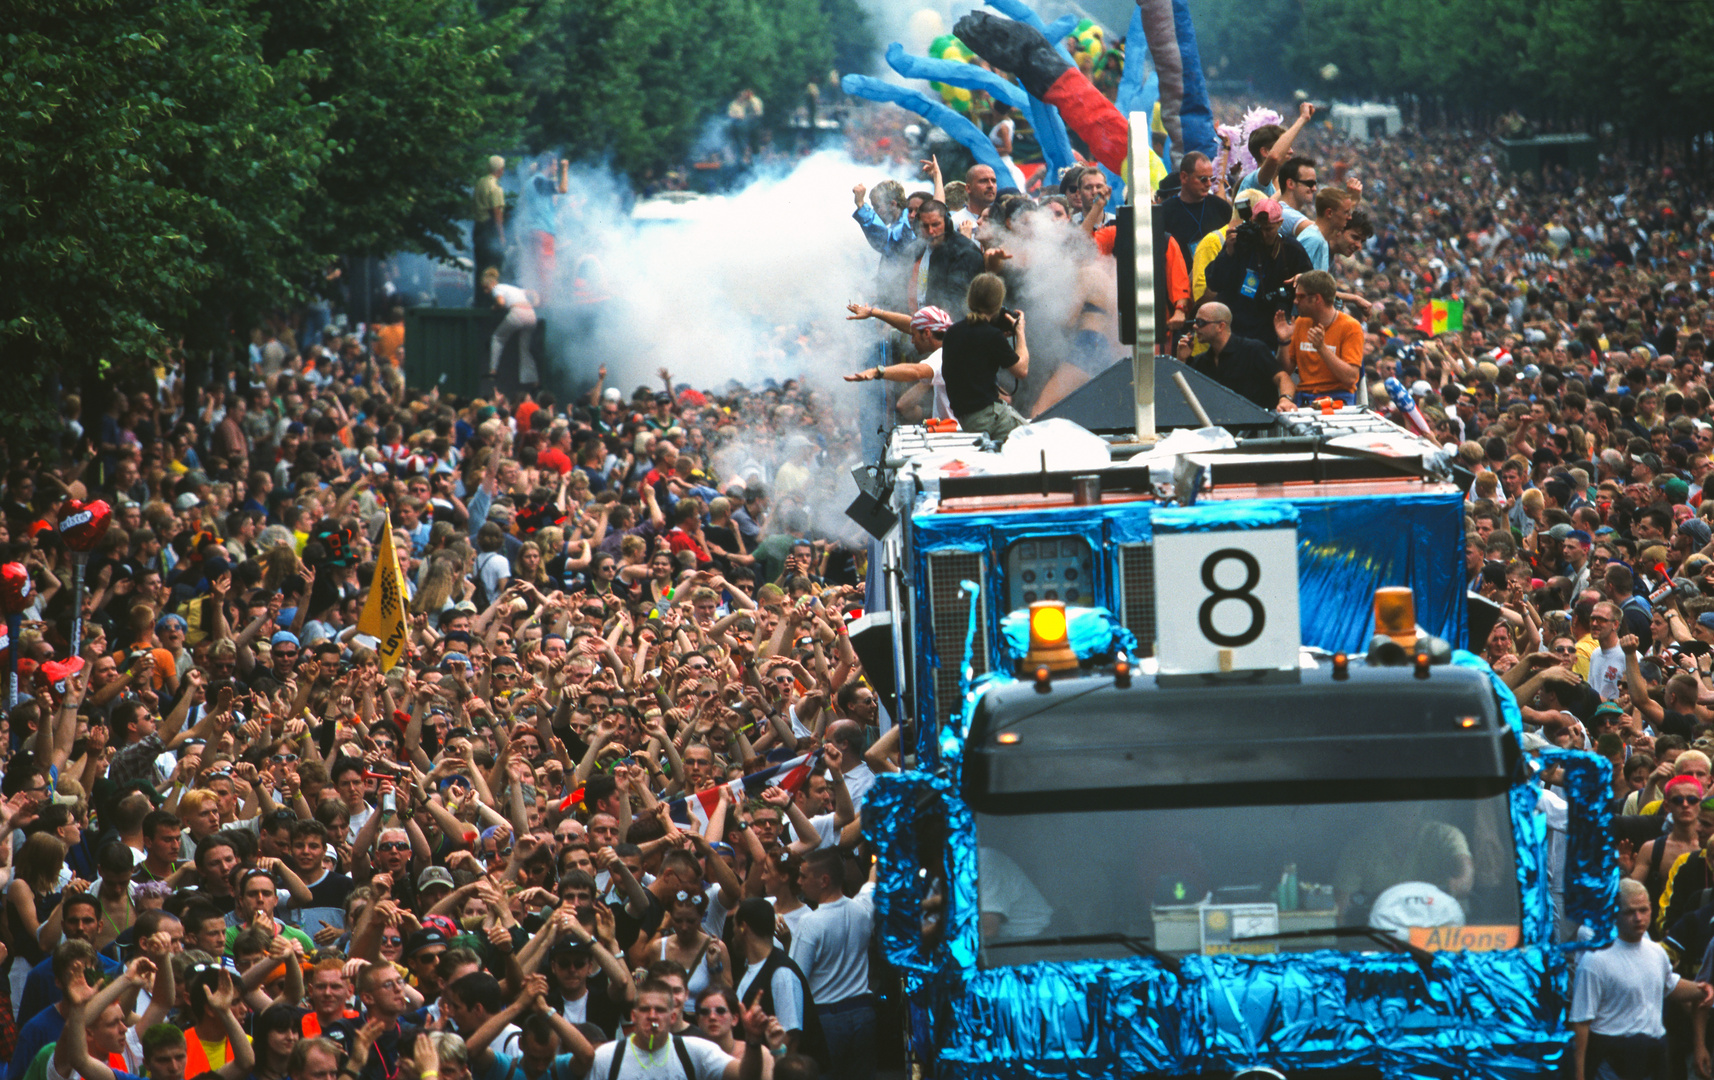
point(383, 615)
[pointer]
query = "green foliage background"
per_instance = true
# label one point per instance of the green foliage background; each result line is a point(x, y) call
point(170, 169)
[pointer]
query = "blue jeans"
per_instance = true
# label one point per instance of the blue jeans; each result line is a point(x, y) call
point(1309, 397)
point(850, 1036)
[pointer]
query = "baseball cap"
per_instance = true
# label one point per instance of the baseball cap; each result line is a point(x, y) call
point(1561, 531)
point(1608, 708)
point(1675, 489)
point(1268, 208)
point(1420, 388)
point(467, 607)
point(1531, 371)
point(187, 501)
point(663, 398)
point(432, 877)
point(931, 318)
point(424, 939)
point(1706, 619)
point(284, 637)
point(1414, 904)
point(570, 949)
point(612, 394)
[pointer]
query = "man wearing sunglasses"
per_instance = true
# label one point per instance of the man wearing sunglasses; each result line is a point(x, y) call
point(1242, 365)
point(1656, 857)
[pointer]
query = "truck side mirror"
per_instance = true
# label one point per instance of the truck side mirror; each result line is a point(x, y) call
point(1591, 875)
point(919, 908)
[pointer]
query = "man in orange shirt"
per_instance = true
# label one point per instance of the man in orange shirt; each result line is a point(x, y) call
point(1325, 350)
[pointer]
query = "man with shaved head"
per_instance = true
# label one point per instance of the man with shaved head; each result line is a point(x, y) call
point(981, 188)
point(1240, 364)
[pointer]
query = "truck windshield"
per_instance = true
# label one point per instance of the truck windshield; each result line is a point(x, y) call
point(1440, 875)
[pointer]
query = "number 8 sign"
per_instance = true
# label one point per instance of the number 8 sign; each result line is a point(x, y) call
point(1226, 588)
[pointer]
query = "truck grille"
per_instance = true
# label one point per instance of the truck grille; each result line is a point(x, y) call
point(1137, 594)
point(950, 615)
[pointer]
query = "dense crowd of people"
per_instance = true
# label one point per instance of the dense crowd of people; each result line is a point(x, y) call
point(530, 846)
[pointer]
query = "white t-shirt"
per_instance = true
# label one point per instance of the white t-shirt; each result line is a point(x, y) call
point(1621, 989)
point(706, 1058)
point(942, 406)
point(357, 821)
point(514, 296)
point(830, 946)
point(788, 995)
point(1607, 671)
point(576, 1012)
point(1008, 892)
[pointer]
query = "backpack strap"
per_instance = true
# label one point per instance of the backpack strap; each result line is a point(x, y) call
point(683, 1053)
point(618, 1057)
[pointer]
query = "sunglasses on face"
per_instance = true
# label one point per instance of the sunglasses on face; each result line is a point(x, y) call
point(393, 845)
point(1684, 800)
point(713, 1010)
point(392, 939)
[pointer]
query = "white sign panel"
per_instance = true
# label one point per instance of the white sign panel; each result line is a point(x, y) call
point(1226, 600)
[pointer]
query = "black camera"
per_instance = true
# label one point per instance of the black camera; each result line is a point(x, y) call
point(1248, 234)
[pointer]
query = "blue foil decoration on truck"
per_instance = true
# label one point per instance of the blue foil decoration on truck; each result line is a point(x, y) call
point(1347, 548)
point(1467, 1014)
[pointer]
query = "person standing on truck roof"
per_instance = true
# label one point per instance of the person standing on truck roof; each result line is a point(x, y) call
point(976, 350)
point(1618, 994)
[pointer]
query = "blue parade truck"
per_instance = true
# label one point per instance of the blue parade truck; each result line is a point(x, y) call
point(1201, 783)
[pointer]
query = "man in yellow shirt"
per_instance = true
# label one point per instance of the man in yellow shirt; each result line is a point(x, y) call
point(1324, 352)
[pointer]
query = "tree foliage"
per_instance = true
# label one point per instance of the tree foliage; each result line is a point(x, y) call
point(170, 169)
point(1571, 61)
point(635, 82)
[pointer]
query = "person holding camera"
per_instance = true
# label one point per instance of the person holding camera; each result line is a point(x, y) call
point(1252, 275)
point(976, 350)
point(1324, 350)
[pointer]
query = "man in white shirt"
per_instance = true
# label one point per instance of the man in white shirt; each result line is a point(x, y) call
point(1619, 994)
point(1607, 662)
point(831, 948)
point(981, 188)
point(927, 329)
point(847, 735)
point(653, 1053)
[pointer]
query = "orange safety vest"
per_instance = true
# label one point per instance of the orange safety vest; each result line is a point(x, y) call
point(196, 1058)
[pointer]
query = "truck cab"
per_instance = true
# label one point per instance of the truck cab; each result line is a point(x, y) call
point(1231, 803)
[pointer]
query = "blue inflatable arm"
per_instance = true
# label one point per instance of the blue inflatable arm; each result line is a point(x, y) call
point(956, 73)
point(960, 129)
point(1136, 66)
point(1050, 134)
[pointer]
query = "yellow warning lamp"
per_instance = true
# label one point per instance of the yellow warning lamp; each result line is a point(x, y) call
point(1395, 615)
point(1050, 645)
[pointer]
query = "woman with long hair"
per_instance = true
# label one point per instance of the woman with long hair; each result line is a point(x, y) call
point(435, 593)
point(32, 902)
point(276, 1034)
point(683, 940)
